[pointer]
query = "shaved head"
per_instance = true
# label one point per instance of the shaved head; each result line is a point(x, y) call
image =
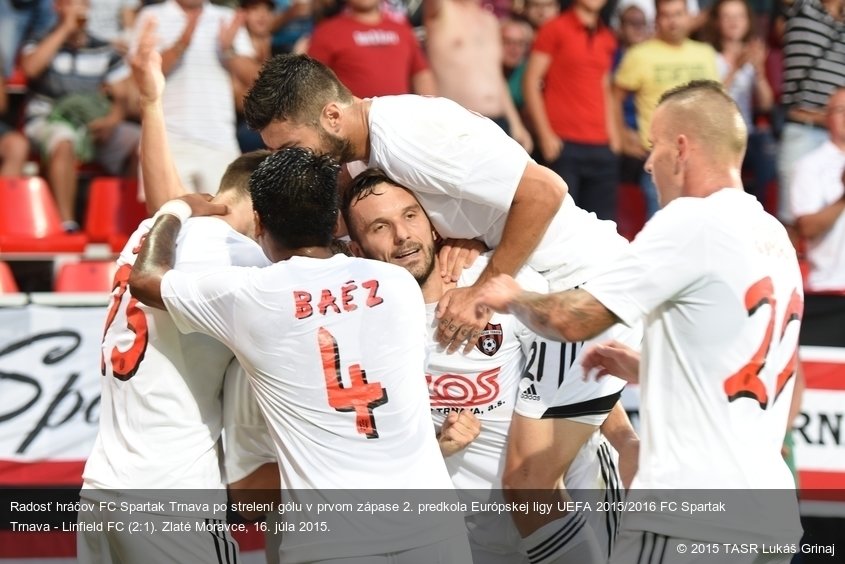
point(705, 113)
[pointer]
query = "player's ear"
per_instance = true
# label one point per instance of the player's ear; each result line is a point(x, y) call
point(259, 228)
point(355, 249)
point(331, 117)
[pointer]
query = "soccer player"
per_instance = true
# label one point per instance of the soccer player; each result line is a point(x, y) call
point(161, 414)
point(387, 223)
point(333, 348)
point(718, 283)
point(473, 181)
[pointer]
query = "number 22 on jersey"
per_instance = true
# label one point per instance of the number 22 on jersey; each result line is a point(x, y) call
point(746, 382)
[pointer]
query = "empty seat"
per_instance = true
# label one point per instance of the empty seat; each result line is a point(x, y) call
point(7, 280)
point(114, 211)
point(29, 219)
point(85, 276)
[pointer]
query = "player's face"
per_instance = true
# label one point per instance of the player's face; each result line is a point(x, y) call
point(283, 134)
point(662, 162)
point(391, 226)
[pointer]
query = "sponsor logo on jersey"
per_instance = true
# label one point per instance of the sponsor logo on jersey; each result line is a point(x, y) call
point(460, 390)
point(491, 339)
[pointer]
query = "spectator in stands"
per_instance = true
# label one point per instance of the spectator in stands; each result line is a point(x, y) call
point(656, 65)
point(293, 21)
point(634, 23)
point(14, 147)
point(200, 43)
point(258, 21)
point(517, 36)
point(741, 60)
point(813, 41)
point(371, 52)
point(567, 95)
point(21, 20)
point(538, 12)
point(112, 21)
point(465, 49)
point(817, 200)
point(78, 88)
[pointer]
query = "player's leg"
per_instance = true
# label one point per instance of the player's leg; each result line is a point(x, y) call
point(539, 453)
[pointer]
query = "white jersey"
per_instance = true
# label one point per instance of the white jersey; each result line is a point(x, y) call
point(718, 283)
point(464, 170)
point(334, 349)
point(161, 413)
point(485, 382)
point(247, 444)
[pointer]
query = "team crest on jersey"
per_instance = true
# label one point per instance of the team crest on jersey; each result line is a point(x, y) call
point(491, 339)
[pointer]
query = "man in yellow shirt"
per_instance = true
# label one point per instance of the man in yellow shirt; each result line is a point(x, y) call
point(654, 66)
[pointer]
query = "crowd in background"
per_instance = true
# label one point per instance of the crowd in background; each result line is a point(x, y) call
point(574, 83)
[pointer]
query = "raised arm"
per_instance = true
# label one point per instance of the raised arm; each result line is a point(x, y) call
point(160, 178)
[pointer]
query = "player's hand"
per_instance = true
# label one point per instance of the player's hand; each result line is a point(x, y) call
point(456, 255)
point(201, 205)
point(458, 431)
point(146, 64)
point(460, 319)
point(498, 293)
point(612, 358)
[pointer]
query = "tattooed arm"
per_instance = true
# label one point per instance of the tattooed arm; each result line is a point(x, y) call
point(573, 315)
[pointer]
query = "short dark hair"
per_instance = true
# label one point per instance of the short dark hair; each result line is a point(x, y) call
point(236, 177)
point(294, 193)
point(362, 186)
point(292, 88)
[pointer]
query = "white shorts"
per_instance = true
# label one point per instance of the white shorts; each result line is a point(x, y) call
point(554, 384)
point(454, 550)
point(145, 538)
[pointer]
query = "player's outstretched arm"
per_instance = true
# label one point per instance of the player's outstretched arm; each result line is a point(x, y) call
point(158, 251)
point(537, 199)
point(573, 315)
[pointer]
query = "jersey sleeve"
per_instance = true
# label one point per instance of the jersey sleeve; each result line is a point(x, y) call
point(665, 258)
point(204, 302)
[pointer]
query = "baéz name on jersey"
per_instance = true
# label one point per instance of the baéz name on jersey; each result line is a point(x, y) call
point(346, 298)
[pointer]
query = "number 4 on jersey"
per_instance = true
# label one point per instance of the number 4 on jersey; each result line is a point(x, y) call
point(361, 396)
point(746, 382)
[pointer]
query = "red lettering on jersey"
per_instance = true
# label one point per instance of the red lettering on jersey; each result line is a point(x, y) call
point(457, 390)
point(361, 396)
point(746, 382)
point(346, 296)
point(302, 302)
point(794, 311)
point(327, 300)
point(125, 364)
point(372, 299)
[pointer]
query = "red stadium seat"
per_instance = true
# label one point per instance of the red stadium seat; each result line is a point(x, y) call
point(85, 276)
point(29, 219)
point(7, 280)
point(114, 211)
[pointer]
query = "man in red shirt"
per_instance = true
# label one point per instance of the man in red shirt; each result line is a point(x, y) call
point(371, 52)
point(567, 95)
